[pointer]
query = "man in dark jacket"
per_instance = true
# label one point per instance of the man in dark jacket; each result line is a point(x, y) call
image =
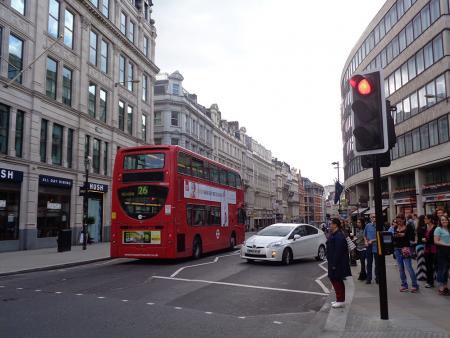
point(338, 262)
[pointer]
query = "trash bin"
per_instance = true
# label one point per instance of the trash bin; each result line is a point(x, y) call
point(64, 240)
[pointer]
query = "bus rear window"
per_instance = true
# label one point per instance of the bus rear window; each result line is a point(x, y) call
point(142, 201)
point(144, 161)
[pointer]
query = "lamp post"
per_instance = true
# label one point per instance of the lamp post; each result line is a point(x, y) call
point(87, 163)
point(338, 167)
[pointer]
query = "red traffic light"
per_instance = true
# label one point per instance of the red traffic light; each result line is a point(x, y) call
point(361, 84)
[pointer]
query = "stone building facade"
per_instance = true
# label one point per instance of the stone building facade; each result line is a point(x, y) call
point(75, 82)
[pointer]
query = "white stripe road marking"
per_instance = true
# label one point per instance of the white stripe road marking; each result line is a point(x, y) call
point(37, 290)
point(178, 308)
point(125, 300)
point(101, 297)
point(150, 303)
point(2, 286)
point(208, 313)
point(241, 317)
point(324, 268)
point(324, 288)
point(19, 288)
point(58, 292)
point(79, 294)
point(318, 280)
point(277, 322)
point(242, 285)
point(214, 261)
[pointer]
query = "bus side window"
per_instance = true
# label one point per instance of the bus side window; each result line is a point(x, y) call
point(238, 181)
point(206, 170)
point(199, 215)
point(197, 168)
point(214, 174)
point(223, 177)
point(231, 179)
point(184, 164)
point(241, 216)
point(189, 214)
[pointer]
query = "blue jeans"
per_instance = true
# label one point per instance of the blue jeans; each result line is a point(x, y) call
point(442, 268)
point(371, 256)
point(401, 261)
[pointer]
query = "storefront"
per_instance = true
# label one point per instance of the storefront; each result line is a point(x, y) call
point(53, 211)
point(406, 206)
point(431, 202)
point(96, 192)
point(10, 184)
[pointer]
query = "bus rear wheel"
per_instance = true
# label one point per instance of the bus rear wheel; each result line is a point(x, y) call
point(197, 249)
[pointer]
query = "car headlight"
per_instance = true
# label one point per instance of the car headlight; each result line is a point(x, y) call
point(275, 244)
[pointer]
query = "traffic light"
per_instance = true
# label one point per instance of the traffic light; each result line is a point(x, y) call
point(369, 114)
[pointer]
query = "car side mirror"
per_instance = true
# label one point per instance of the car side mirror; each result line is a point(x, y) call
point(296, 236)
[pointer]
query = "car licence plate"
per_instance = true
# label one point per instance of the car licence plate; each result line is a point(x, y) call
point(253, 251)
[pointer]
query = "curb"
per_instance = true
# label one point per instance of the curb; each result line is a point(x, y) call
point(53, 267)
point(337, 318)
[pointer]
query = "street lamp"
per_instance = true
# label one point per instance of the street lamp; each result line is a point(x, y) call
point(87, 163)
point(337, 167)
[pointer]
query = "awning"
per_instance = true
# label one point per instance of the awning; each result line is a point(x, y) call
point(359, 211)
point(372, 210)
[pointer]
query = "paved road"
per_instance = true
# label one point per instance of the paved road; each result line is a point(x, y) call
point(217, 296)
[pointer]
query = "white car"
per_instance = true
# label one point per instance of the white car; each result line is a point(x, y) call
point(285, 242)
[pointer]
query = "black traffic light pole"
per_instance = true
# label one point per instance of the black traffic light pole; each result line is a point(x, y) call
point(380, 260)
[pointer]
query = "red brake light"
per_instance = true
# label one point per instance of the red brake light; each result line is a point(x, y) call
point(364, 87)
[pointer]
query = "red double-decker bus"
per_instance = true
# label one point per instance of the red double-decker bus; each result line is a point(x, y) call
point(168, 202)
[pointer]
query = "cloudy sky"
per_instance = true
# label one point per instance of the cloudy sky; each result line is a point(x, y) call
point(272, 65)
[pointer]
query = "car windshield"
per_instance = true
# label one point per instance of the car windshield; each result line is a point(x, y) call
point(276, 230)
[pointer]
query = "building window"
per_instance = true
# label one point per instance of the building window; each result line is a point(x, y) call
point(121, 70)
point(105, 8)
point(15, 60)
point(174, 141)
point(157, 119)
point(434, 133)
point(92, 99)
point(121, 115)
point(123, 23)
point(52, 66)
point(69, 147)
point(146, 46)
point(93, 48)
point(68, 29)
point(105, 159)
point(67, 86)
point(424, 137)
point(144, 87)
point(4, 128)
point(87, 145)
point(57, 142)
point(175, 89)
point(94, 2)
point(96, 156)
point(443, 129)
point(158, 141)
point(18, 5)
point(174, 119)
point(19, 132)
point(144, 128)
point(416, 140)
point(130, 77)
point(104, 51)
point(103, 105)
point(130, 33)
point(43, 141)
point(130, 120)
point(53, 18)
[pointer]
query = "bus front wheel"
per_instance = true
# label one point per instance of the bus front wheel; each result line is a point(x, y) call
point(197, 249)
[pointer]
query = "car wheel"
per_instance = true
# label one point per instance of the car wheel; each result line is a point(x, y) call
point(287, 257)
point(250, 260)
point(232, 242)
point(197, 249)
point(321, 253)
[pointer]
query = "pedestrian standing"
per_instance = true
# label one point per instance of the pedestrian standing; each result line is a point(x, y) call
point(430, 250)
point(420, 246)
point(442, 241)
point(403, 236)
point(361, 248)
point(338, 261)
point(370, 236)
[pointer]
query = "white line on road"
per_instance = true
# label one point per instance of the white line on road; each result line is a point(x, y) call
point(277, 322)
point(241, 317)
point(178, 308)
point(241, 285)
point(214, 261)
point(2, 286)
point(19, 288)
point(58, 292)
point(318, 280)
point(150, 303)
point(101, 297)
point(124, 300)
point(37, 290)
point(208, 313)
point(79, 294)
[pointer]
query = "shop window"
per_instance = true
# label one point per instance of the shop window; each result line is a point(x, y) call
point(4, 128)
point(9, 211)
point(53, 211)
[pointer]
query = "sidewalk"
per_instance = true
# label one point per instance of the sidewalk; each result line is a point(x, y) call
point(424, 314)
point(49, 258)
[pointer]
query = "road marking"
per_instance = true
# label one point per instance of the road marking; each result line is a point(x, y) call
point(37, 290)
point(124, 300)
point(242, 285)
point(195, 265)
point(318, 280)
point(58, 292)
point(241, 317)
point(79, 294)
point(2, 286)
point(208, 313)
point(101, 297)
point(277, 322)
point(19, 288)
point(178, 308)
point(150, 303)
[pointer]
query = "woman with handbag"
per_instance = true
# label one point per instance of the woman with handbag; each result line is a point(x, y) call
point(403, 236)
point(442, 242)
point(338, 261)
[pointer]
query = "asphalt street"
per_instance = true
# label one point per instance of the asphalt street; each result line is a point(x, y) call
point(220, 295)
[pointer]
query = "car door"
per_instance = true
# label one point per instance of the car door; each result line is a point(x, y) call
point(298, 246)
point(312, 245)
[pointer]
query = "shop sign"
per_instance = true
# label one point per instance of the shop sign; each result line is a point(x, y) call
point(2, 203)
point(405, 201)
point(55, 181)
point(97, 187)
point(434, 198)
point(11, 175)
point(53, 206)
point(385, 201)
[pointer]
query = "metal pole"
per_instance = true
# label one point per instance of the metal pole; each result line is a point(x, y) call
point(339, 210)
point(85, 203)
point(380, 260)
